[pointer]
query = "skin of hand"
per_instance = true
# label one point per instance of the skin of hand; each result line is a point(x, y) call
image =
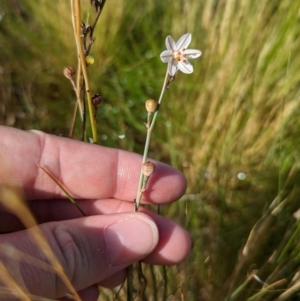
point(96, 249)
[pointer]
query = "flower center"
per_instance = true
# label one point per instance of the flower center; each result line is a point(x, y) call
point(179, 56)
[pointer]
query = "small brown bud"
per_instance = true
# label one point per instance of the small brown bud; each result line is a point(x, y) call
point(85, 29)
point(97, 100)
point(69, 73)
point(98, 4)
point(151, 105)
point(148, 168)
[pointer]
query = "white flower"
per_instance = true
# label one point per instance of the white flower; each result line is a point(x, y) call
point(177, 55)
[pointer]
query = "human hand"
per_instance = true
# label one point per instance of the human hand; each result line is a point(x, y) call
point(93, 250)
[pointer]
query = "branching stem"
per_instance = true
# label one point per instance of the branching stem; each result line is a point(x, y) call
point(167, 80)
point(76, 12)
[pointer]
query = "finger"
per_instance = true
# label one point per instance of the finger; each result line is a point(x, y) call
point(90, 249)
point(114, 280)
point(85, 170)
point(88, 294)
point(174, 243)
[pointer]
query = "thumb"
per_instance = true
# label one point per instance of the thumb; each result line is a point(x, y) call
point(90, 250)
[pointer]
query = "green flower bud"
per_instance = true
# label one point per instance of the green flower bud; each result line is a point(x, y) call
point(89, 60)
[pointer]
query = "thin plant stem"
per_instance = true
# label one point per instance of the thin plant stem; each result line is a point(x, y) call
point(165, 277)
point(147, 143)
point(88, 48)
point(81, 100)
point(130, 284)
point(73, 119)
point(63, 189)
point(78, 104)
point(154, 283)
point(76, 86)
point(80, 50)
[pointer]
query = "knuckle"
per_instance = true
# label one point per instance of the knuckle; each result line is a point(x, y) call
point(67, 249)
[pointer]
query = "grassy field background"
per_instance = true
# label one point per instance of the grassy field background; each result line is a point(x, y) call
point(232, 126)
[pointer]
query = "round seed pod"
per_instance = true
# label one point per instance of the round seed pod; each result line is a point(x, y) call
point(89, 60)
point(151, 105)
point(148, 168)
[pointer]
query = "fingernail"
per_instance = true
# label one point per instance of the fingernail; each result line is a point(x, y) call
point(130, 239)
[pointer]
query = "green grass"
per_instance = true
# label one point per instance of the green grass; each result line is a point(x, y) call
point(237, 113)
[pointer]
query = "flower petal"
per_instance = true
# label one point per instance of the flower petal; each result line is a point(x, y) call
point(172, 67)
point(191, 53)
point(166, 56)
point(170, 44)
point(185, 67)
point(183, 42)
